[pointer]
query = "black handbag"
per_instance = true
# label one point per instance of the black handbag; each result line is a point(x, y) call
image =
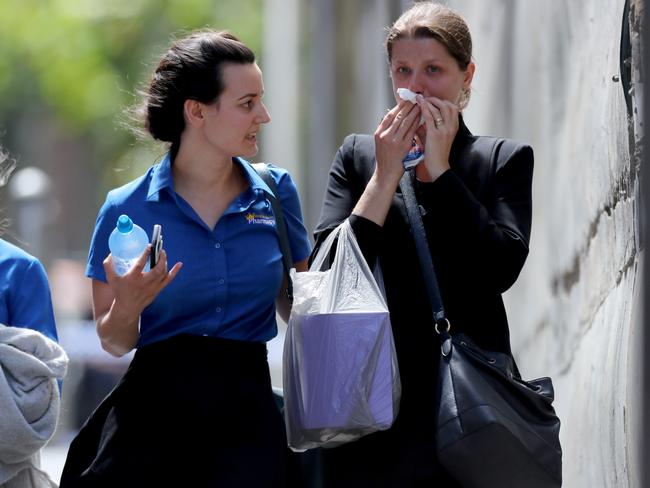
point(493, 428)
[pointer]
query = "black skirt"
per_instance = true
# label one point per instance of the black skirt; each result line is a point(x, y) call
point(190, 411)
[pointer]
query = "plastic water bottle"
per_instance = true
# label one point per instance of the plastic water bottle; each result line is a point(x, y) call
point(127, 242)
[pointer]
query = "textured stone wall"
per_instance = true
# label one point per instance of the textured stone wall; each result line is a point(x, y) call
point(549, 73)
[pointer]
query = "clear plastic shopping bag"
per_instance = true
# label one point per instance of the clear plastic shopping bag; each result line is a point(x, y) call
point(340, 375)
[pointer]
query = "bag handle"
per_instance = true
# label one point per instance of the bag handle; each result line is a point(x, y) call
point(281, 226)
point(324, 255)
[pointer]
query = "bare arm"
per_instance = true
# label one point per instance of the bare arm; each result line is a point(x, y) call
point(117, 334)
point(117, 305)
point(393, 140)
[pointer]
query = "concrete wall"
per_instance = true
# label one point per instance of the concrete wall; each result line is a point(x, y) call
point(548, 73)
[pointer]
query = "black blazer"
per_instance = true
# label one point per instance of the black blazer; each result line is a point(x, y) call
point(478, 219)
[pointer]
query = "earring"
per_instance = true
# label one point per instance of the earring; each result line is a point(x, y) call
point(463, 99)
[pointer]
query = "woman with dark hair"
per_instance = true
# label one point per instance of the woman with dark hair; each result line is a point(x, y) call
point(477, 219)
point(195, 407)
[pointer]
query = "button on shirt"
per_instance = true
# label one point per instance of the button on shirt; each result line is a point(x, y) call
point(231, 274)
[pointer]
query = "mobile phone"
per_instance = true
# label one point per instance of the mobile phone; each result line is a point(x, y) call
point(156, 245)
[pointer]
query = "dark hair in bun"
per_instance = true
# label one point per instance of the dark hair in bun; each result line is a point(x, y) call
point(192, 69)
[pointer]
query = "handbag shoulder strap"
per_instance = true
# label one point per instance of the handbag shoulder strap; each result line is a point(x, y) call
point(419, 235)
point(422, 247)
point(281, 226)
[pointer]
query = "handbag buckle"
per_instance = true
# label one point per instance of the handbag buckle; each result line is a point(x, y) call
point(445, 347)
point(446, 331)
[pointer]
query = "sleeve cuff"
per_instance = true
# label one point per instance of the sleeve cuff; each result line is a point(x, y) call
point(368, 234)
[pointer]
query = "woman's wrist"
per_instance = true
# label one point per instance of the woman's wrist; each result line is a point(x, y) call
point(377, 197)
point(387, 180)
point(123, 313)
point(429, 174)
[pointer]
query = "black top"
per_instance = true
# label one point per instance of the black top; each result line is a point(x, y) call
point(477, 219)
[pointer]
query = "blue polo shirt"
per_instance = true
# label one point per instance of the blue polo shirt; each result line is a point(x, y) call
point(231, 274)
point(25, 299)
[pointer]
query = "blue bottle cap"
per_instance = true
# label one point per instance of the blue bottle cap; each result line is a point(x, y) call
point(124, 224)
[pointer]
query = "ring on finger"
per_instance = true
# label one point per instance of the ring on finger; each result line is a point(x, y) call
point(439, 121)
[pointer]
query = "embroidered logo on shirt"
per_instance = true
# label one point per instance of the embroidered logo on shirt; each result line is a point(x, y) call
point(260, 219)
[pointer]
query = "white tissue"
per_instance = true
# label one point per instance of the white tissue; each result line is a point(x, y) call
point(409, 96)
point(406, 94)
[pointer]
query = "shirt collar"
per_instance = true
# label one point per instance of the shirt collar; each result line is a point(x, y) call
point(162, 177)
point(461, 138)
point(256, 182)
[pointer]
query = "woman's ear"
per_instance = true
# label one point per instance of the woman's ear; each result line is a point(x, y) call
point(193, 113)
point(469, 75)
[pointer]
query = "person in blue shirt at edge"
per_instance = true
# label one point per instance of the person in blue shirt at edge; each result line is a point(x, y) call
point(29, 361)
point(195, 407)
point(25, 299)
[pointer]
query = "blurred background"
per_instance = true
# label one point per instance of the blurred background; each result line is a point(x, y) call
point(564, 76)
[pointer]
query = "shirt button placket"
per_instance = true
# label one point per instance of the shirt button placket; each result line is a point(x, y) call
point(221, 281)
